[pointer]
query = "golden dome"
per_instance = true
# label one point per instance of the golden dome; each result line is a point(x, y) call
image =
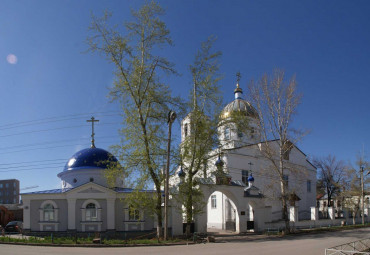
point(239, 105)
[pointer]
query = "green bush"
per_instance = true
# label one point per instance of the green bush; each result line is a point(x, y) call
point(71, 240)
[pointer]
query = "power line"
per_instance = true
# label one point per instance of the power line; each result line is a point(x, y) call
point(53, 119)
point(28, 169)
point(52, 129)
point(35, 161)
point(53, 142)
point(50, 147)
point(41, 164)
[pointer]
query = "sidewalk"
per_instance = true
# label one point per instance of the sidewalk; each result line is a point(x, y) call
point(222, 236)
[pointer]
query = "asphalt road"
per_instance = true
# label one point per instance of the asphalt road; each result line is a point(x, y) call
point(302, 245)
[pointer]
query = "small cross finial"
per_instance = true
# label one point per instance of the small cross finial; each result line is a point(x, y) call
point(238, 76)
point(93, 120)
point(250, 166)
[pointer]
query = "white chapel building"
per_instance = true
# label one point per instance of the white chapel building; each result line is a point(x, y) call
point(85, 202)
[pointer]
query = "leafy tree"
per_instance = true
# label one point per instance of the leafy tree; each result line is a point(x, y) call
point(276, 102)
point(331, 175)
point(144, 99)
point(201, 139)
point(351, 194)
point(354, 186)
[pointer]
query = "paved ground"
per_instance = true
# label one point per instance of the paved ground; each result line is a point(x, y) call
point(250, 244)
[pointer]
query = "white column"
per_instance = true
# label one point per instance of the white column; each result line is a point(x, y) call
point(111, 213)
point(314, 213)
point(99, 219)
point(26, 214)
point(293, 214)
point(56, 212)
point(331, 213)
point(71, 213)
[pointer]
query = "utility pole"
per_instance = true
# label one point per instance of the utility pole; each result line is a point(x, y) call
point(362, 195)
point(170, 120)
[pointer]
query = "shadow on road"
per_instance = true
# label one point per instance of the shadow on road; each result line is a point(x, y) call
point(252, 237)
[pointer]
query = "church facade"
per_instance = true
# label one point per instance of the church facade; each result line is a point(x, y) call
point(248, 196)
point(249, 199)
point(85, 203)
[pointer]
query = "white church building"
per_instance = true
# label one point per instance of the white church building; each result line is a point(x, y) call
point(85, 203)
point(248, 200)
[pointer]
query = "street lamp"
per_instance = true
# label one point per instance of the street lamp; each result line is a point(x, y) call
point(171, 118)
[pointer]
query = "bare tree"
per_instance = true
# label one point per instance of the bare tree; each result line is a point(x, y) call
point(331, 175)
point(276, 102)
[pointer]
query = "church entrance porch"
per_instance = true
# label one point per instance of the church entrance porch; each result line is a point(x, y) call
point(221, 213)
point(230, 210)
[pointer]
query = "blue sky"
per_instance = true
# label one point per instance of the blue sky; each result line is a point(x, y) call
point(52, 86)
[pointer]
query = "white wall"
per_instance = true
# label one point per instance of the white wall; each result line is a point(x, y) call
point(216, 216)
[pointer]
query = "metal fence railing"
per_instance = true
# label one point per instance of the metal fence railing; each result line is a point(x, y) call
point(352, 248)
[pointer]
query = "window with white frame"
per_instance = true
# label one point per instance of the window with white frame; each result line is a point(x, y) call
point(49, 212)
point(133, 214)
point(91, 212)
point(213, 202)
point(186, 129)
point(227, 133)
point(245, 176)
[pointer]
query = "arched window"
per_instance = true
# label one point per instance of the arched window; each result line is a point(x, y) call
point(227, 133)
point(134, 214)
point(49, 212)
point(185, 129)
point(91, 212)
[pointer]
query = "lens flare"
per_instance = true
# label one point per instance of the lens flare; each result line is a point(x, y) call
point(12, 59)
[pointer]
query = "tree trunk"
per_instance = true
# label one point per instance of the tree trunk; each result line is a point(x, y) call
point(189, 208)
point(286, 216)
point(283, 193)
point(159, 215)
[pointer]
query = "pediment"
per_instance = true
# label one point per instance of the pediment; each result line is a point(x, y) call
point(90, 190)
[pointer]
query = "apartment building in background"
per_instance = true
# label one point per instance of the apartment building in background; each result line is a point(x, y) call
point(9, 191)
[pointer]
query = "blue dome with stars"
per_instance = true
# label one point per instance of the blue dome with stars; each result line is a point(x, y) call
point(90, 158)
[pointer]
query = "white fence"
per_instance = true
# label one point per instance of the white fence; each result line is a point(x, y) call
point(308, 224)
